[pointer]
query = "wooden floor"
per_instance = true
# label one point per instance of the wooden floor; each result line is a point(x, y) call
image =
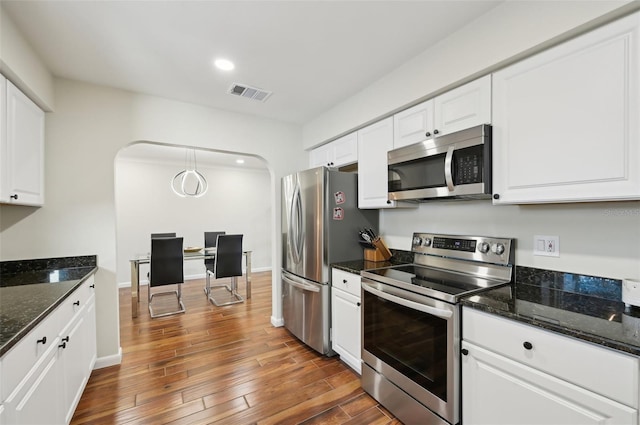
point(221, 365)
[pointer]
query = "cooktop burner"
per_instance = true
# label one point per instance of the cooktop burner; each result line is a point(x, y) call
point(451, 267)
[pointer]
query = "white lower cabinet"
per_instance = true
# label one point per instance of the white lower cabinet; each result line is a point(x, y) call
point(513, 373)
point(49, 368)
point(345, 317)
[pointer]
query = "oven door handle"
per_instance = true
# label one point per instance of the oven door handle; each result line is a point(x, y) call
point(438, 312)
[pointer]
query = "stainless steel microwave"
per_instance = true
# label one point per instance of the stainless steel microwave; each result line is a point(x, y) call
point(456, 165)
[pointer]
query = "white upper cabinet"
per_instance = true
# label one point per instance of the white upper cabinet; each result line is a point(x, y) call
point(463, 107)
point(21, 148)
point(413, 125)
point(342, 151)
point(566, 122)
point(374, 142)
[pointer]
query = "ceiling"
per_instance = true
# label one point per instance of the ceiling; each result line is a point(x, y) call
point(311, 54)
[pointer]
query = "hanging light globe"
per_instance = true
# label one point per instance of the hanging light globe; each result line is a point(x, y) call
point(189, 183)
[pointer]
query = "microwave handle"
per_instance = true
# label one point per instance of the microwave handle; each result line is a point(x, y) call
point(448, 169)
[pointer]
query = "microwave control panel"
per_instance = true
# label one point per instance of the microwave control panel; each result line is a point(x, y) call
point(468, 163)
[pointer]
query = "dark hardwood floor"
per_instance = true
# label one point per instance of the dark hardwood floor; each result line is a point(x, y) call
point(221, 365)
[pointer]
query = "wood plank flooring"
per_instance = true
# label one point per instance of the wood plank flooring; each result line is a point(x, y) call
point(221, 365)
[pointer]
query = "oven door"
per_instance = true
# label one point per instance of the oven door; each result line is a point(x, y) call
point(413, 341)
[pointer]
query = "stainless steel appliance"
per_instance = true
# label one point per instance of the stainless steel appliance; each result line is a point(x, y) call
point(411, 323)
point(320, 226)
point(456, 165)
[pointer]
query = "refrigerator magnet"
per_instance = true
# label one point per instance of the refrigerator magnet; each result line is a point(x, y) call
point(338, 213)
point(339, 197)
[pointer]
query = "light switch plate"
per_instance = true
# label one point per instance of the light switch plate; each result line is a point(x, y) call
point(545, 245)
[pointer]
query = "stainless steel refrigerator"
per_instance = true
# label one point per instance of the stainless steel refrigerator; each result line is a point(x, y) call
point(320, 223)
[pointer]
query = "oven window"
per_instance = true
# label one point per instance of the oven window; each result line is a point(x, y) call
point(412, 342)
point(420, 173)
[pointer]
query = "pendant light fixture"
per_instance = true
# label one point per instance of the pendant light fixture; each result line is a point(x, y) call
point(189, 183)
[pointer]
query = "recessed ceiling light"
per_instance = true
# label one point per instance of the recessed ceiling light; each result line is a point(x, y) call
point(224, 64)
point(239, 161)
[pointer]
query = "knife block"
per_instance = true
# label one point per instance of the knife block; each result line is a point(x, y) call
point(373, 255)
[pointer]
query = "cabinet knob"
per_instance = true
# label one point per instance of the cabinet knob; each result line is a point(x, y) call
point(435, 132)
point(42, 341)
point(527, 345)
point(63, 345)
point(389, 202)
point(344, 280)
point(65, 339)
point(358, 303)
point(464, 351)
point(92, 286)
point(14, 196)
point(496, 196)
point(427, 134)
point(77, 303)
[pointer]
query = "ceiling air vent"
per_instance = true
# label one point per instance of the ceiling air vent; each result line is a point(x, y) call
point(249, 92)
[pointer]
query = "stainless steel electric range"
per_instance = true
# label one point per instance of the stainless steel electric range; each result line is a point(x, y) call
point(411, 322)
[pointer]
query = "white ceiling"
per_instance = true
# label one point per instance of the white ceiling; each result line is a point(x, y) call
point(311, 54)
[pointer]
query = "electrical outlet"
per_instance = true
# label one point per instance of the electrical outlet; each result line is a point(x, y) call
point(548, 246)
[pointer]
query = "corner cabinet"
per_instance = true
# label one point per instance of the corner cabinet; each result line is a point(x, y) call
point(21, 148)
point(566, 122)
point(342, 151)
point(463, 107)
point(514, 373)
point(45, 374)
point(345, 317)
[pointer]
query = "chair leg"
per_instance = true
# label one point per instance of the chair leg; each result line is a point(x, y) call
point(233, 289)
point(177, 293)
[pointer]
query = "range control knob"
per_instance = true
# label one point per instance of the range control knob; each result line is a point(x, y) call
point(497, 249)
point(483, 247)
point(417, 241)
point(426, 242)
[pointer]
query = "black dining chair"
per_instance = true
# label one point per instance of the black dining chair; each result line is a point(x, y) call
point(163, 235)
point(210, 242)
point(167, 268)
point(227, 264)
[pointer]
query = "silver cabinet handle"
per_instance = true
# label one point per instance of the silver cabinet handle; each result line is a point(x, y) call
point(438, 312)
point(448, 170)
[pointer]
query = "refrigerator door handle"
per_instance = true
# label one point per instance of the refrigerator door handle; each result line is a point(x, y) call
point(295, 227)
point(299, 285)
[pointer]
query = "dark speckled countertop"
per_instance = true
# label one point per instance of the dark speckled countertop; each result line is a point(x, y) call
point(32, 289)
point(585, 307)
point(356, 266)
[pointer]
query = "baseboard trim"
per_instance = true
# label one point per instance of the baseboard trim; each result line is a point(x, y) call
point(107, 361)
point(277, 322)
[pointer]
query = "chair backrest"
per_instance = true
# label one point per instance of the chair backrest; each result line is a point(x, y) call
point(163, 235)
point(228, 256)
point(211, 241)
point(167, 262)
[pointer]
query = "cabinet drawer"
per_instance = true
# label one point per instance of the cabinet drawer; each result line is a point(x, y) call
point(18, 361)
point(346, 281)
point(601, 370)
point(75, 302)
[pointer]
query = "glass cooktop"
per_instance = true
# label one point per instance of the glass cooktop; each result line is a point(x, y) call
point(441, 284)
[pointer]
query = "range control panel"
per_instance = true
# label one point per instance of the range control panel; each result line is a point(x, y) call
point(476, 248)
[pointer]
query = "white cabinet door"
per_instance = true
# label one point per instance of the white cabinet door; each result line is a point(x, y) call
point(342, 151)
point(22, 150)
point(463, 107)
point(500, 391)
point(374, 142)
point(74, 363)
point(413, 125)
point(566, 122)
point(39, 397)
point(345, 327)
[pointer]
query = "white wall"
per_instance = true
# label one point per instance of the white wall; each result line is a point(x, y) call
point(600, 239)
point(237, 201)
point(90, 125)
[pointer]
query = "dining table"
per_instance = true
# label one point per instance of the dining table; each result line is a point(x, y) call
point(203, 254)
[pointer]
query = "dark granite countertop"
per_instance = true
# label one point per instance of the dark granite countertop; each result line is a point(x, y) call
point(31, 289)
point(356, 266)
point(585, 307)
